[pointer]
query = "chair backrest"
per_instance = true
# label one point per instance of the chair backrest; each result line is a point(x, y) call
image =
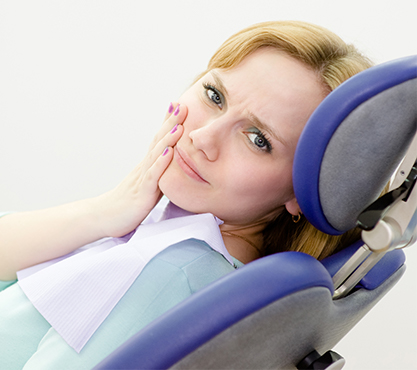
point(268, 314)
point(272, 312)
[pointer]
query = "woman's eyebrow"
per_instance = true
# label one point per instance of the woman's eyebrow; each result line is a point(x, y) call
point(264, 127)
point(255, 120)
point(219, 83)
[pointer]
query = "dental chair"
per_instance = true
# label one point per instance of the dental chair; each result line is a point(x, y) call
point(288, 310)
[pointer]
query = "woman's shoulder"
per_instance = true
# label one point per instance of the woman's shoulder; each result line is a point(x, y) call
point(5, 284)
point(196, 260)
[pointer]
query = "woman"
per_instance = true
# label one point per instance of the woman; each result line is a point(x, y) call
point(225, 148)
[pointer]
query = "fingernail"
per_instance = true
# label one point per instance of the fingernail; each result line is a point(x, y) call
point(165, 151)
point(171, 108)
point(177, 110)
point(174, 129)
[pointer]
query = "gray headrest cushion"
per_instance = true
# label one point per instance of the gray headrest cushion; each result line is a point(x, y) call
point(364, 152)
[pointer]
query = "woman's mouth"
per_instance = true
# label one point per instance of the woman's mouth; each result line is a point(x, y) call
point(187, 165)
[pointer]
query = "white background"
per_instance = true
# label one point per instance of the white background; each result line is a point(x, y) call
point(84, 86)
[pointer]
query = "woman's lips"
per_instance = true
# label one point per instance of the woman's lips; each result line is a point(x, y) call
point(187, 165)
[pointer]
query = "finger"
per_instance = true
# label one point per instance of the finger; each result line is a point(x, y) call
point(171, 110)
point(154, 173)
point(169, 140)
point(173, 107)
point(176, 118)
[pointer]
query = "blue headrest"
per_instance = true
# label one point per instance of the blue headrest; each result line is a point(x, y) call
point(353, 142)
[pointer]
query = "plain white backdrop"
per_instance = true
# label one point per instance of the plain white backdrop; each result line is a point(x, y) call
point(84, 86)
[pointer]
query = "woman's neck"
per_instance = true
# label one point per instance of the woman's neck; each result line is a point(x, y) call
point(244, 243)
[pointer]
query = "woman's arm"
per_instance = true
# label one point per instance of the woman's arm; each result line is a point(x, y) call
point(29, 238)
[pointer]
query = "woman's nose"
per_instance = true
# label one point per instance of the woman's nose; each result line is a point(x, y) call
point(207, 138)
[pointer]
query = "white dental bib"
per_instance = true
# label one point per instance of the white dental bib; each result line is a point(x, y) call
point(75, 293)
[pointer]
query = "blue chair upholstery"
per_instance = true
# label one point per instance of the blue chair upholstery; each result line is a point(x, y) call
point(274, 311)
point(357, 96)
point(262, 288)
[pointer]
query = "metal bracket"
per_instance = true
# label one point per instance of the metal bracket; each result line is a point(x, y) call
point(388, 223)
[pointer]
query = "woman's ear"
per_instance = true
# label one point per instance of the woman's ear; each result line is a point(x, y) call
point(292, 207)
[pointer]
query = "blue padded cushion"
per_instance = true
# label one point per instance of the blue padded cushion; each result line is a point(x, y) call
point(208, 312)
point(323, 124)
point(390, 263)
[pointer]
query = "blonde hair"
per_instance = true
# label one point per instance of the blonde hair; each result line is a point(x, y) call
point(334, 61)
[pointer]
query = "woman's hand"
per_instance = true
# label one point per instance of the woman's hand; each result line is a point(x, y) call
point(122, 209)
point(29, 238)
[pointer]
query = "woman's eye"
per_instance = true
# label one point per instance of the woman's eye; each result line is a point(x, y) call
point(214, 95)
point(260, 141)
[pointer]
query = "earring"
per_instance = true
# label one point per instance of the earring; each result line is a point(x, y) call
point(297, 218)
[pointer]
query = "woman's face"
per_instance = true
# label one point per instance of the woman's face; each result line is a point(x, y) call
point(235, 156)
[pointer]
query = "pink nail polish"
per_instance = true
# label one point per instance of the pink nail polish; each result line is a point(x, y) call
point(171, 108)
point(174, 128)
point(165, 151)
point(177, 110)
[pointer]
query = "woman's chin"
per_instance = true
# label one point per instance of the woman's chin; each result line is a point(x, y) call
point(169, 187)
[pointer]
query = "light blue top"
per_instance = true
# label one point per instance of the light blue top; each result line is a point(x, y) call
point(27, 340)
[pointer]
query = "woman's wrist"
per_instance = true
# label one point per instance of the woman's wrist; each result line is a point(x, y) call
point(89, 218)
